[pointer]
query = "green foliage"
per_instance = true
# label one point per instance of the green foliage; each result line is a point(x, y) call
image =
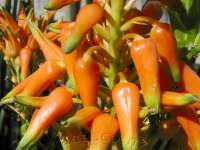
point(187, 26)
point(187, 4)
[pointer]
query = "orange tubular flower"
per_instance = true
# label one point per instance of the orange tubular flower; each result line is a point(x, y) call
point(87, 75)
point(160, 33)
point(104, 127)
point(84, 116)
point(16, 90)
point(58, 26)
point(87, 17)
point(70, 62)
point(190, 81)
point(65, 33)
point(47, 74)
point(52, 36)
point(25, 58)
point(57, 4)
point(10, 50)
point(71, 58)
point(37, 82)
point(32, 43)
point(58, 103)
point(126, 99)
point(22, 23)
point(22, 18)
point(177, 99)
point(50, 50)
point(145, 58)
point(35, 102)
point(7, 20)
point(187, 118)
point(12, 45)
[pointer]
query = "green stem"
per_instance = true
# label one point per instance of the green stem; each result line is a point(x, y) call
point(101, 31)
point(164, 144)
point(7, 101)
point(112, 75)
point(115, 35)
point(116, 10)
point(2, 115)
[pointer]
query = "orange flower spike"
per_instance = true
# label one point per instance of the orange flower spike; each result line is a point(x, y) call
point(47, 74)
point(70, 62)
point(177, 99)
point(10, 51)
point(84, 116)
point(32, 43)
point(71, 58)
point(10, 22)
point(46, 19)
point(87, 76)
point(38, 81)
point(22, 23)
point(16, 46)
point(145, 57)
point(2, 45)
point(190, 81)
point(22, 18)
point(187, 118)
point(57, 4)
point(160, 33)
point(50, 50)
point(3, 22)
point(65, 33)
point(34, 102)
point(58, 103)
point(52, 36)
point(16, 90)
point(25, 59)
point(104, 128)
point(58, 26)
point(87, 17)
point(126, 99)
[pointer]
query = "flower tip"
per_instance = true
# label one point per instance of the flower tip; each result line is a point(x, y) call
point(49, 6)
point(190, 99)
point(194, 98)
point(67, 49)
point(176, 75)
point(71, 43)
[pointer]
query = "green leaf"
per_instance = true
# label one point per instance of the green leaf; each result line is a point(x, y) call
point(185, 39)
point(175, 20)
point(197, 41)
point(195, 47)
point(187, 5)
